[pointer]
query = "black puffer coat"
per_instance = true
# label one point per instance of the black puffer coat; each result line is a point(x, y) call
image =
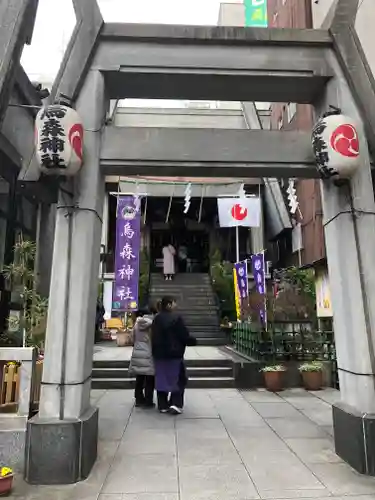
point(170, 336)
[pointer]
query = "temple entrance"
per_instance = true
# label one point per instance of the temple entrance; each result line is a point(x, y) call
point(222, 64)
point(188, 233)
point(195, 243)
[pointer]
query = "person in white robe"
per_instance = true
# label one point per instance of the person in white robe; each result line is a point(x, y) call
point(169, 253)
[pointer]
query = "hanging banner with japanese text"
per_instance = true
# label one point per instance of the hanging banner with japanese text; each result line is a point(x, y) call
point(242, 282)
point(259, 273)
point(128, 242)
point(256, 13)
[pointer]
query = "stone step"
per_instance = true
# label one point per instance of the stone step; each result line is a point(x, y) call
point(190, 363)
point(193, 372)
point(182, 293)
point(211, 329)
point(194, 383)
point(170, 285)
point(196, 321)
point(202, 336)
point(183, 277)
point(188, 301)
point(212, 341)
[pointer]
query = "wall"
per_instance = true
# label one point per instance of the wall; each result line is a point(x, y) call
point(186, 118)
point(291, 116)
point(231, 15)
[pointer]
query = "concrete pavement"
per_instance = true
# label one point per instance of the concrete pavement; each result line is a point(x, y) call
point(227, 446)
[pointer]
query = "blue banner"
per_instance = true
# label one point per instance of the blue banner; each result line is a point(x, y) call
point(242, 281)
point(259, 273)
point(128, 243)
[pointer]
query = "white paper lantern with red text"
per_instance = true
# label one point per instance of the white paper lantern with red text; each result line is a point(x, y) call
point(335, 143)
point(59, 140)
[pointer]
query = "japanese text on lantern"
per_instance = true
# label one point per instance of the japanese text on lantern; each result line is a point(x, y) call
point(52, 142)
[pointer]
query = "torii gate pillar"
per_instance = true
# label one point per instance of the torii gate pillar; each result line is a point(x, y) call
point(61, 444)
point(349, 225)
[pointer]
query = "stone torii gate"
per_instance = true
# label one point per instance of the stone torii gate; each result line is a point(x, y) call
point(114, 61)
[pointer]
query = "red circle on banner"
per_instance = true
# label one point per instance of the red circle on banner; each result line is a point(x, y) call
point(239, 212)
point(344, 140)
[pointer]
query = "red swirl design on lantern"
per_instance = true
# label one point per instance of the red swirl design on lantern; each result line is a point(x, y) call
point(76, 139)
point(344, 140)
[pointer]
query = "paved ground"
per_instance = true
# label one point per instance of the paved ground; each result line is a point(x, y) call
point(108, 351)
point(227, 446)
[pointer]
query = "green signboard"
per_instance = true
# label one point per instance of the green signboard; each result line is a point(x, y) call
point(256, 13)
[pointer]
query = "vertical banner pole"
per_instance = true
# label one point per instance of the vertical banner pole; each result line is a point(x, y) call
point(237, 244)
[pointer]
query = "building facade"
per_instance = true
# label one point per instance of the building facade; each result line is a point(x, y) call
point(304, 245)
point(307, 247)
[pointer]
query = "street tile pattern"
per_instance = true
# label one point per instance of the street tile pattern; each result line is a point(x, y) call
point(228, 445)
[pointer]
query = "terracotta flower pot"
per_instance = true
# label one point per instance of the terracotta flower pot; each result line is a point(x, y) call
point(274, 381)
point(124, 338)
point(6, 484)
point(313, 380)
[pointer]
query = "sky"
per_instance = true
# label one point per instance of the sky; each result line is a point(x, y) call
point(56, 20)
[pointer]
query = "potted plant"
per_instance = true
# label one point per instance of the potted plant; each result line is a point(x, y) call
point(274, 377)
point(124, 338)
point(124, 335)
point(312, 375)
point(6, 480)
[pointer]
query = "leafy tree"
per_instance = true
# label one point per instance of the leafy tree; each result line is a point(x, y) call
point(20, 276)
point(222, 282)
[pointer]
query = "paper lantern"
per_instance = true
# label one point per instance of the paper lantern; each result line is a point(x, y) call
point(336, 146)
point(59, 140)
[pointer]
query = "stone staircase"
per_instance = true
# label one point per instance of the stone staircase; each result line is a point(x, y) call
point(203, 374)
point(196, 303)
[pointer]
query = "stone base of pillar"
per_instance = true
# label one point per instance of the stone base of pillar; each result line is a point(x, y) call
point(354, 434)
point(61, 451)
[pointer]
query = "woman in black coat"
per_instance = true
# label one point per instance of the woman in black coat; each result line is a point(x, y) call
point(170, 337)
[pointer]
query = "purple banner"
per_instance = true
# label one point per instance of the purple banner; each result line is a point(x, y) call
point(242, 282)
point(259, 272)
point(128, 242)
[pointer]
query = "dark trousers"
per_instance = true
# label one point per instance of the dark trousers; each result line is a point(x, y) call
point(176, 398)
point(144, 389)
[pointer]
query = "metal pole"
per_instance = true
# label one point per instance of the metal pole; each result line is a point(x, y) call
point(237, 244)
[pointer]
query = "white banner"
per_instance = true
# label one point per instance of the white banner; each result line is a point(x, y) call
point(239, 212)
